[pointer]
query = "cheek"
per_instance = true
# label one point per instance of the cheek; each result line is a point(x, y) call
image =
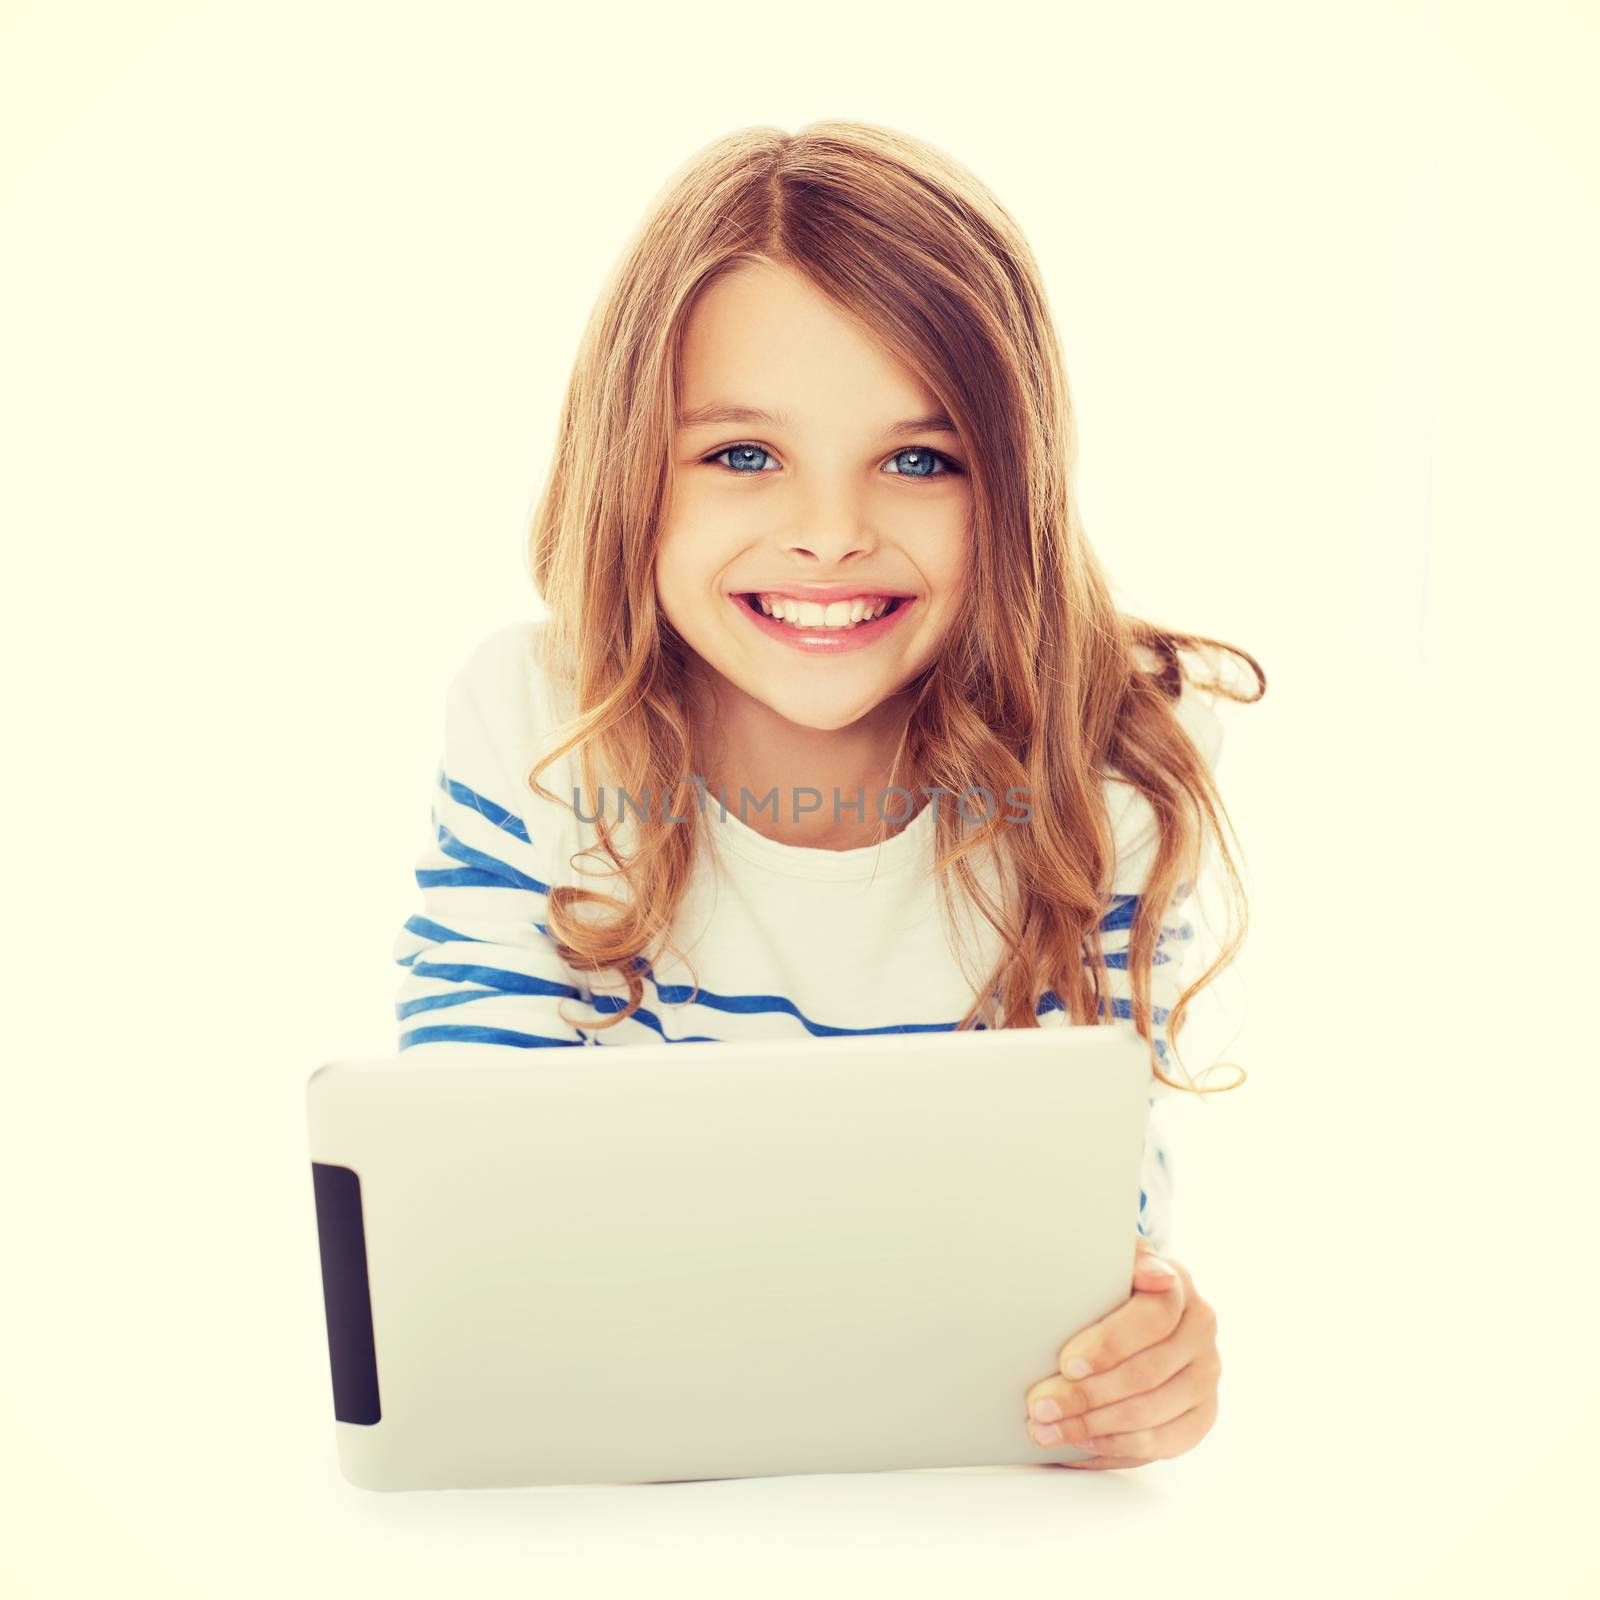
point(945, 552)
point(679, 559)
point(689, 564)
point(696, 540)
point(671, 583)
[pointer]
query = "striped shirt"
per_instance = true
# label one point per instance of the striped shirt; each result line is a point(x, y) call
point(785, 941)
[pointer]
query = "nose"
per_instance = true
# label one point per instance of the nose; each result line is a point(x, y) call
point(829, 530)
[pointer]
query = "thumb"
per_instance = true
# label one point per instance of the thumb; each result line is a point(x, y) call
point(1149, 1270)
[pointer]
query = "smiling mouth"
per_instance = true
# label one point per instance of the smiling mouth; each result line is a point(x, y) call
point(813, 616)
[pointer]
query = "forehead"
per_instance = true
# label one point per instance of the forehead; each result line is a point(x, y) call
point(763, 337)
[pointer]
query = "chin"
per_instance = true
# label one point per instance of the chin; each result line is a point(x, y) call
point(820, 712)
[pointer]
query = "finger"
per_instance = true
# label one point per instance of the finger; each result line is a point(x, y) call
point(1069, 1402)
point(1150, 1408)
point(1157, 1444)
point(1153, 1268)
point(1141, 1320)
point(1098, 1463)
point(1152, 1272)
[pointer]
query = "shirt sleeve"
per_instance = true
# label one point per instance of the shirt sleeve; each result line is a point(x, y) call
point(1170, 967)
point(480, 965)
point(1156, 1184)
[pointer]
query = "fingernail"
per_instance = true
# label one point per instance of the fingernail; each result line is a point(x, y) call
point(1050, 1434)
point(1045, 1410)
point(1156, 1265)
point(1077, 1367)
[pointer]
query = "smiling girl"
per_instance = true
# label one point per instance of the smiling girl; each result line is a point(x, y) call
point(832, 726)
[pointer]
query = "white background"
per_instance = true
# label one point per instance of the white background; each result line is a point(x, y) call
point(292, 291)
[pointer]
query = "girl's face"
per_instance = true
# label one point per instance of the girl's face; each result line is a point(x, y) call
point(807, 467)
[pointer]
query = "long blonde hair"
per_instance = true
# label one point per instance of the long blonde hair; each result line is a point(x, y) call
point(1042, 682)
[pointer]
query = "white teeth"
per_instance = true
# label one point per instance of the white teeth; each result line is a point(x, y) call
point(812, 614)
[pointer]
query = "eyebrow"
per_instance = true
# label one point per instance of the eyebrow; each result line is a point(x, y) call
point(718, 412)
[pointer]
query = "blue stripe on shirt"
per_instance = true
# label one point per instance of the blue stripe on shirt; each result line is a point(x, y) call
point(481, 869)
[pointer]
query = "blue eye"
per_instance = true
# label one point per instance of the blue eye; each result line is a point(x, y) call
point(742, 454)
point(925, 462)
point(921, 461)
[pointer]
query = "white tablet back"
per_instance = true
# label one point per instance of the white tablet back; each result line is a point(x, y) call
point(635, 1264)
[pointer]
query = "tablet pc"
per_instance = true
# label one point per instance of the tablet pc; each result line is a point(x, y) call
point(639, 1264)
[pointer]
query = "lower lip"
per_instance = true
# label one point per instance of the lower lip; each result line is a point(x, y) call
point(823, 641)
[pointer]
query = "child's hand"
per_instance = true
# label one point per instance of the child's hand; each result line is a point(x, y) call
point(1149, 1390)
